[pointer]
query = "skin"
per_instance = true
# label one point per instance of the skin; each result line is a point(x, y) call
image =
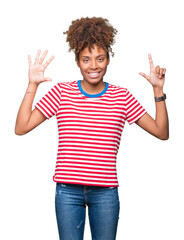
point(94, 61)
point(26, 118)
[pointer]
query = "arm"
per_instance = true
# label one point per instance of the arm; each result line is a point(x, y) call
point(160, 126)
point(26, 118)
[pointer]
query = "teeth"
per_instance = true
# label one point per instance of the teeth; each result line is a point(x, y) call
point(93, 74)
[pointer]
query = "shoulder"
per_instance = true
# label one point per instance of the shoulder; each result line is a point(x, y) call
point(66, 85)
point(117, 89)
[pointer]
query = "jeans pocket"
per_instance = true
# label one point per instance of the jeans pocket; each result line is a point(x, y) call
point(60, 188)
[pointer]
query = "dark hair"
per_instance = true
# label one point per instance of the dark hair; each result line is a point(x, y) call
point(86, 32)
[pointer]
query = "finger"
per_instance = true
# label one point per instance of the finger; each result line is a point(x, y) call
point(161, 71)
point(48, 61)
point(164, 70)
point(29, 60)
point(43, 57)
point(157, 70)
point(151, 62)
point(37, 56)
point(46, 79)
point(161, 74)
point(144, 75)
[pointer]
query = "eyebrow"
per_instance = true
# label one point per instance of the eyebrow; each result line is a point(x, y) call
point(96, 56)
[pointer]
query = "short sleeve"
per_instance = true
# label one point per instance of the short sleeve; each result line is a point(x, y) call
point(49, 104)
point(134, 109)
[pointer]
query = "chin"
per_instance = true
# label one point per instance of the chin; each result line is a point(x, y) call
point(93, 80)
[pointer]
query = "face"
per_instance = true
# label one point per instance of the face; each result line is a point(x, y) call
point(93, 66)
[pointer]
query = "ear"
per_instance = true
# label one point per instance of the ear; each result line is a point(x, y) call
point(78, 63)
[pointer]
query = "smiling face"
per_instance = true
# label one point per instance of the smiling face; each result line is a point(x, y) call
point(93, 65)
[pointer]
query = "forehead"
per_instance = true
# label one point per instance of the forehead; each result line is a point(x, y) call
point(95, 51)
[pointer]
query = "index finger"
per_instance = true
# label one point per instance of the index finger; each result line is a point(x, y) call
point(151, 62)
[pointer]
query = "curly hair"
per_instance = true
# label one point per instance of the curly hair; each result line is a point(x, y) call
point(86, 32)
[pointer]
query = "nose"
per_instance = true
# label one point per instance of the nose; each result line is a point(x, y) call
point(94, 64)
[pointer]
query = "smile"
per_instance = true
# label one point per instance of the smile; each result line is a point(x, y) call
point(93, 74)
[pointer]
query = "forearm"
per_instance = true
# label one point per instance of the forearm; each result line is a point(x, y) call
point(161, 118)
point(25, 109)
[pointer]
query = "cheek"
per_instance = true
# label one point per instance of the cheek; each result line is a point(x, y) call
point(105, 67)
point(81, 68)
point(83, 71)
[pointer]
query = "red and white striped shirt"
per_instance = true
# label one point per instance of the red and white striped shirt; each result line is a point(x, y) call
point(89, 128)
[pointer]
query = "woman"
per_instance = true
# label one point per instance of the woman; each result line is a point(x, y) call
point(91, 115)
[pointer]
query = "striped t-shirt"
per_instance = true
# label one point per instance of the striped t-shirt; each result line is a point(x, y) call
point(89, 128)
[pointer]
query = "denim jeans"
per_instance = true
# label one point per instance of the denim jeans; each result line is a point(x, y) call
point(103, 211)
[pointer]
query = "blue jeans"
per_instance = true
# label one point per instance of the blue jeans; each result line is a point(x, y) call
point(103, 210)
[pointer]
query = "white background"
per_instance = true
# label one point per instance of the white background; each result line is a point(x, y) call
point(150, 171)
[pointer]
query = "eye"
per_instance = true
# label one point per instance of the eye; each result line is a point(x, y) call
point(100, 59)
point(86, 60)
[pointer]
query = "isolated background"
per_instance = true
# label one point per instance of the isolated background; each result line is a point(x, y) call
point(150, 171)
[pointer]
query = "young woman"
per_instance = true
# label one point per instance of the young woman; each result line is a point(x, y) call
point(91, 115)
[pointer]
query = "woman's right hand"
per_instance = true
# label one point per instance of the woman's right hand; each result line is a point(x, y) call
point(36, 70)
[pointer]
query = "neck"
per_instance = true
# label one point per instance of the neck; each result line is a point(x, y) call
point(92, 88)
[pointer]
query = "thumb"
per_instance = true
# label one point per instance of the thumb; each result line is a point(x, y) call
point(46, 79)
point(144, 75)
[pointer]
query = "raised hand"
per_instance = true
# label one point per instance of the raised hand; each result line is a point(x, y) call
point(36, 70)
point(156, 76)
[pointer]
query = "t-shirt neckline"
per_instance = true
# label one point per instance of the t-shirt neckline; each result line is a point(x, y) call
point(92, 95)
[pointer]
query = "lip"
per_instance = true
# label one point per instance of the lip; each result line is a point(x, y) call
point(93, 76)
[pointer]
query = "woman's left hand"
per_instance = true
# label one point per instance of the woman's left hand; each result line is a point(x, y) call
point(156, 76)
